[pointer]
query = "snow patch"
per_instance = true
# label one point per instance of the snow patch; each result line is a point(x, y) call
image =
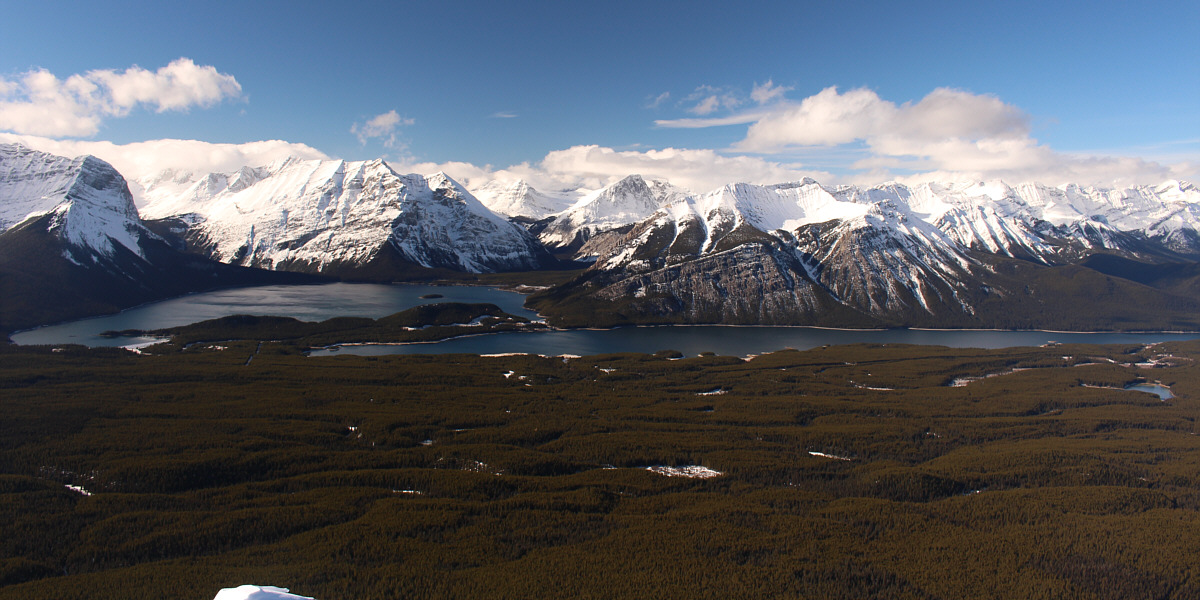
point(829, 456)
point(258, 592)
point(78, 489)
point(689, 471)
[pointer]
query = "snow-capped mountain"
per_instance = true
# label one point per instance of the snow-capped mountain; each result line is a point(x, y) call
point(616, 205)
point(83, 201)
point(335, 216)
point(1033, 221)
point(892, 254)
point(936, 254)
point(1042, 222)
point(72, 244)
point(520, 200)
point(811, 248)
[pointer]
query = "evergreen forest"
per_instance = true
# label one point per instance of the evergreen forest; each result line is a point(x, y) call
point(844, 472)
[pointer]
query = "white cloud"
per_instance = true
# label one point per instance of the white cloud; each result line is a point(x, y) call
point(697, 170)
point(736, 119)
point(142, 159)
point(707, 100)
point(504, 115)
point(659, 100)
point(706, 106)
point(592, 167)
point(39, 103)
point(826, 119)
point(768, 92)
point(947, 134)
point(381, 126)
point(830, 118)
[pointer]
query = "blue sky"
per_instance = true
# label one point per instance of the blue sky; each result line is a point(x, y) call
point(496, 84)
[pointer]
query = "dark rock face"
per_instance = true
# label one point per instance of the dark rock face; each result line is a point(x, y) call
point(750, 284)
point(867, 272)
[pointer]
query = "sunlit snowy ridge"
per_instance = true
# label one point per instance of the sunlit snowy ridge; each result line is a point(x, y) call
point(991, 216)
point(315, 213)
point(87, 200)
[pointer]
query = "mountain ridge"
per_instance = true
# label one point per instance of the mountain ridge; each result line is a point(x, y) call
point(319, 215)
point(83, 250)
point(936, 254)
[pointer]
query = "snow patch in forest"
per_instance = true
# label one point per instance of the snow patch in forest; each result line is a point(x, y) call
point(258, 592)
point(690, 471)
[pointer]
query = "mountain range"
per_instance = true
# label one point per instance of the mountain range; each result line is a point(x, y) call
point(980, 254)
point(73, 245)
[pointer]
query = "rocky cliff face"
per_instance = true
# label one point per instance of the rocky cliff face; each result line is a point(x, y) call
point(750, 284)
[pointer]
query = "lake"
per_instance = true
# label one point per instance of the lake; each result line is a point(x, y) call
point(1163, 392)
point(304, 302)
point(324, 301)
point(735, 340)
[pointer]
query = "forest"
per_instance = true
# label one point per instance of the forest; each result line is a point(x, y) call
point(906, 472)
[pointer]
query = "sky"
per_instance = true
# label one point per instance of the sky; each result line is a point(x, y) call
point(568, 94)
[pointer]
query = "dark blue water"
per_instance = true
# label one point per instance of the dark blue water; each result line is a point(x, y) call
point(1163, 392)
point(304, 302)
point(737, 341)
point(319, 302)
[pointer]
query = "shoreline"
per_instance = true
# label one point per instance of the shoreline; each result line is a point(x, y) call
point(548, 328)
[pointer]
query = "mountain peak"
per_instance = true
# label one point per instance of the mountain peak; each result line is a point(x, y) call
point(90, 204)
point(520, 199)
point(338, 215)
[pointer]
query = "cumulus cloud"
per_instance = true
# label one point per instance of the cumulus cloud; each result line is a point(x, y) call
point(382, 126)
point(592, 167)
point(831, 118)
point(948, 134)
point(39, 103)
point(143, 159)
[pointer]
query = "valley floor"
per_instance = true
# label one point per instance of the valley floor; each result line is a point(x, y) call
point(839, 472)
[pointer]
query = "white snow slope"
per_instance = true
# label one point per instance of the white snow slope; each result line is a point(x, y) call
point(625, 202)
point(519, 199)
point(257, 592)
point(90, 202)
point(317, 213)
